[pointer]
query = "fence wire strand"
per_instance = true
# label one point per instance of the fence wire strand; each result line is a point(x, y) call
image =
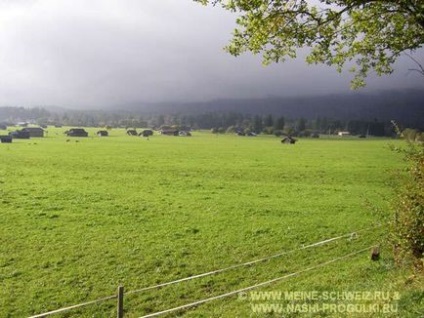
point(57, 311)
point(352, 234)
point(242, 290)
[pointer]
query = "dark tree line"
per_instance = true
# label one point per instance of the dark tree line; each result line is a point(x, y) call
point(218, 121)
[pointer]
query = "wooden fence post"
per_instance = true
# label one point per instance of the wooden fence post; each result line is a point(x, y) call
point(120, 308)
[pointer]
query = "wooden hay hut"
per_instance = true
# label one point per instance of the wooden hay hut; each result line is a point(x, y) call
point(5, 139)
point(184, 133)
point(102, 133)
point(19, 134)
point(34, 131)
point(288, 140)
point(146, 133)
point(77, 132)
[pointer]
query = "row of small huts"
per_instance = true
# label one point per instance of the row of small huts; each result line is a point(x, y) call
point(24, 133)
point(37, 132)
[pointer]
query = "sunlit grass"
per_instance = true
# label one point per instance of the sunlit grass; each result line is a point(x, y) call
point(81, 216)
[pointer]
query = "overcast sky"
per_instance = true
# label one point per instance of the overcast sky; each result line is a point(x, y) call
point(79, 53)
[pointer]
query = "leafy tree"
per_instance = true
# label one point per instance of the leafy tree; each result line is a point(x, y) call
point(408, 225)
point(371, 33)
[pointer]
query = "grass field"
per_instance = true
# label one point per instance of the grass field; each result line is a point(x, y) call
point(81, 216)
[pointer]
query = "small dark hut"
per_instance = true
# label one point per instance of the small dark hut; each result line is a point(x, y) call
point(169, 132)
point(20, 134)
point(184, 133)
point(132, 132)
point(146, 133)
point(288, 140)
point(5, 139)
point(34, 131)
point(77, 132)
point(102, 133)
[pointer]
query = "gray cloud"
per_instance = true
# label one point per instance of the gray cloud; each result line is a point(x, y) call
point(101, 52)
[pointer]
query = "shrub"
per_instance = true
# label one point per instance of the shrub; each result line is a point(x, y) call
point(409, 134)
point(408, 224)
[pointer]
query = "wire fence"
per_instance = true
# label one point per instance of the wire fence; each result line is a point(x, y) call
point(261, 260)
point(61, 310)
point(120, 293)
point(242, 290)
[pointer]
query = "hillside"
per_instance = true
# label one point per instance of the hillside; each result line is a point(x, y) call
point(403, 106)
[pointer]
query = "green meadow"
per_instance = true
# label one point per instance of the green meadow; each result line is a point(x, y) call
point(82, 216)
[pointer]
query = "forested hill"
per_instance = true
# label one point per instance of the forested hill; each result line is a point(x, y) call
point(403, 106)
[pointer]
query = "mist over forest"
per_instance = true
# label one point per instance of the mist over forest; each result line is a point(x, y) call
point(406, 106)
point(354, 111)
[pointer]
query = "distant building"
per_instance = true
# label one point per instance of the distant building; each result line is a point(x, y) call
point(102, 133)
point(19, 134)
point(146, 133)
point(169, 132)
point(343, 133)
point(288, 140)
point(34, 131)
point(76, 132)
point(184, 133)
point(5, 139)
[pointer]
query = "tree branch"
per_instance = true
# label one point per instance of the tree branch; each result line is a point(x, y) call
point(420, 68)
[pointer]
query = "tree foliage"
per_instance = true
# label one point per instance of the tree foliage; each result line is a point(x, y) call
point(408, 225)
point(365, 35)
